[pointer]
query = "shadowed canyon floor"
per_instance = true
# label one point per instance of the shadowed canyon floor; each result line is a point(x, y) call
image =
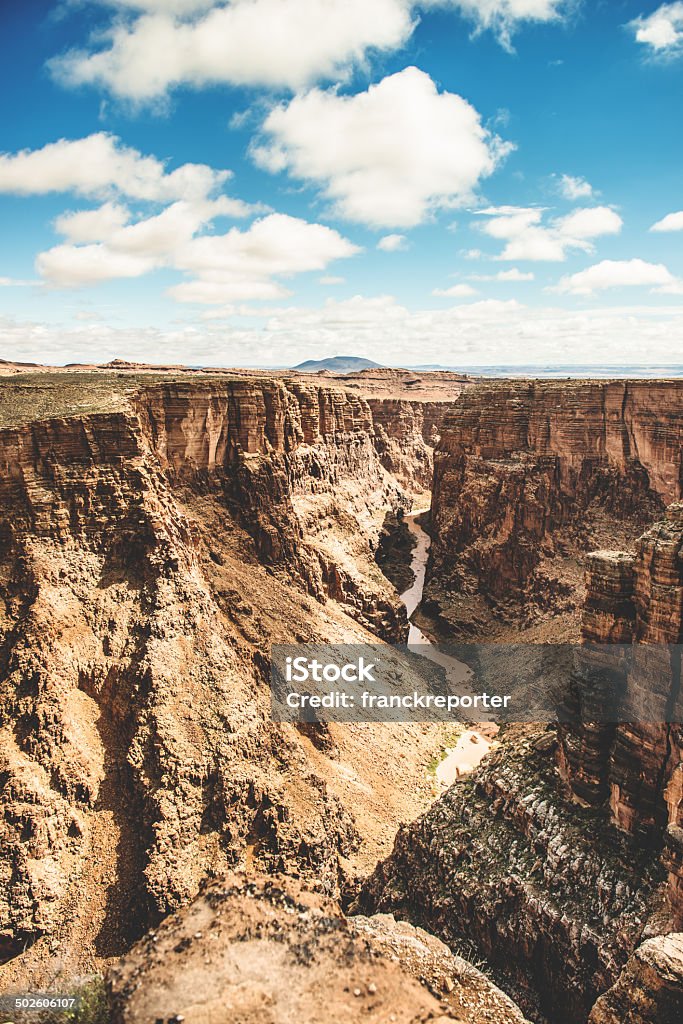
point(160, 530)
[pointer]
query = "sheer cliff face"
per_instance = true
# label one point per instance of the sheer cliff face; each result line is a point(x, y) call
point(530, 475)
point(636, 767)
point(148, 558)
point(563, 852)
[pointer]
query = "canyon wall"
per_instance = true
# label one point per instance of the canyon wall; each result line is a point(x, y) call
point(530, 475)
point(563, 851)
point(149, 556)
point(635, 765)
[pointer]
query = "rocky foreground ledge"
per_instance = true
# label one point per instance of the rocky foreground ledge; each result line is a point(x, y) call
point(265, 950)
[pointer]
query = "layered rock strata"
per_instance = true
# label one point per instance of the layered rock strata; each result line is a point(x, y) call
point(502, 867)
point(553, 859)
point(649, 989)
point(635, 760)
point(149, 555)
point(530, 475)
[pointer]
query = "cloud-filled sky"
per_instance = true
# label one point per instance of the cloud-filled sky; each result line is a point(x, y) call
point(256, 182)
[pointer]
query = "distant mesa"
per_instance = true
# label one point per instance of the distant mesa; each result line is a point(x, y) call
point(337, 364)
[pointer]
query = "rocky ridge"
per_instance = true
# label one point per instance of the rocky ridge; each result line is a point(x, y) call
point(149, 555)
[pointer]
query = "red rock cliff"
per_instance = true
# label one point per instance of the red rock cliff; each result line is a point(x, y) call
point(530, 474)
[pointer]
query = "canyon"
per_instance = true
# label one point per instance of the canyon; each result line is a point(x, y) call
point(528, 477)
point(161, 529)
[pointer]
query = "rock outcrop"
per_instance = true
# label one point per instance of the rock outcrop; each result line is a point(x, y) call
point(266, 950)
point(502, 867)
point(649, 989)
point(529, 476)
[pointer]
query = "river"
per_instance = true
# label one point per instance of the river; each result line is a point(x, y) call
point(473, 743)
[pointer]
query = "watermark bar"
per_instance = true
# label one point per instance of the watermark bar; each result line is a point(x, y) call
point(519, 682)
point(39, 1003)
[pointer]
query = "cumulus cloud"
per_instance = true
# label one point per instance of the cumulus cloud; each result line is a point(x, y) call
point(123, 250)
point(575, 188)
point(672, 222)
point(109, 242)
point(100, 165)
point(591, 222)
point(514, 274)
point(223, 268)
point(528, 237)
point(386, 157)
point(661, 31)
point(456, 291)
point(274, 43)
point(392, 243)
point(165, 6)
point(244, 264)
point(618, 274)
point(68, 266)
point(92, 225)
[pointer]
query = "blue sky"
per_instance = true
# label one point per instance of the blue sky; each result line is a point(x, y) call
point(255, 182)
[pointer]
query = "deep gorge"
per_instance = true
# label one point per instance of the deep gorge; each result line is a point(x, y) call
point(150, 554)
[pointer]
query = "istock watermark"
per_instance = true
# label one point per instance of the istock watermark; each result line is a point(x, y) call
point(569, 683)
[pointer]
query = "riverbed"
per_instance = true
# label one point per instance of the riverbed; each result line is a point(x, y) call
point(474, 743)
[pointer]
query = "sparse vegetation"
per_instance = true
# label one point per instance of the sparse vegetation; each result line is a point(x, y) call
point(93, 1007)
point(449, 738)
point(25, 397)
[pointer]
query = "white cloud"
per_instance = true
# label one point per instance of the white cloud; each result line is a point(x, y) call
point(456, 291)
point(502, 16)
point(69, 266)
point(618, 274)
point(514, 274)
point(247, 42)
point(330, 280)
point(575, 188)
point(102, 244)
point(210, 292)
point(661, 31)
point(392, 243)
point(124, 250)
point(274, 43)
point(385, 157)
point(92, 225)
point(15, 282)
point(672, 222)
point(466, 334)
point(163, 6)
point(527, 237)
point(100, 165)
point(243, 264)
point(224, 267)
point(591, 222)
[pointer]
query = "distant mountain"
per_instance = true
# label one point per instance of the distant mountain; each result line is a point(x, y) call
point(337, 364)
